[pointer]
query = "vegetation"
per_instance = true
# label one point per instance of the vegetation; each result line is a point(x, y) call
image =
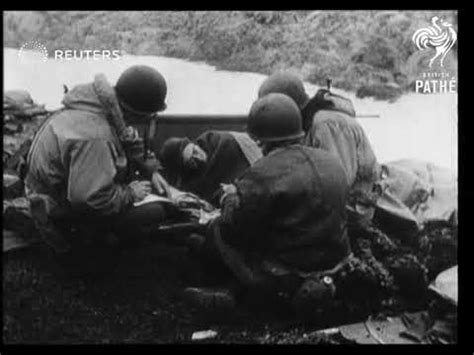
point(366, 51)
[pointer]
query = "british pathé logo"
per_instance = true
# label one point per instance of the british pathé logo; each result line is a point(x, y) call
point(441, 37)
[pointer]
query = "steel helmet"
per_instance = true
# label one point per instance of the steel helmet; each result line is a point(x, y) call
point(273, 118)
point(285, 83)
point(142, 88)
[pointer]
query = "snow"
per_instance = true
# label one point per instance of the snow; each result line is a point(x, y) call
point(419, 126)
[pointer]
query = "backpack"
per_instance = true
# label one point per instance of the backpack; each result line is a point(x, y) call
point(326, 100)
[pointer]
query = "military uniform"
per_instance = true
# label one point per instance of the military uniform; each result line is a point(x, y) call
point(78, 164)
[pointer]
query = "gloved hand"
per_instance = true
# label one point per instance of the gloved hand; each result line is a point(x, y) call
point(140, 189)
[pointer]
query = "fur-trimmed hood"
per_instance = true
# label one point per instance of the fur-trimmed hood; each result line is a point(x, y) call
point(98, 97)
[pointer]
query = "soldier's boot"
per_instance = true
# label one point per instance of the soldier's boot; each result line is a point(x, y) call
point(313, 296)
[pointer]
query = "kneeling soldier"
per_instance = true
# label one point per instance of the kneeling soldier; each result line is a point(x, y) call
point(283, 221)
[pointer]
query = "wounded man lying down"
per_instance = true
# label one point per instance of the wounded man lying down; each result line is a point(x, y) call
point(212, 159)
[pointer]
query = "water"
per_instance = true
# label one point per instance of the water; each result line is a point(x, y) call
point(415, 126)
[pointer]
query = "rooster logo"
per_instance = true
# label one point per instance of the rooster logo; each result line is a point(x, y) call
point(442, 39)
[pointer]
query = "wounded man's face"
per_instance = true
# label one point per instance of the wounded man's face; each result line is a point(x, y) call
point(194, 157)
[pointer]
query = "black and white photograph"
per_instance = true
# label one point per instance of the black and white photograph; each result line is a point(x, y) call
point(230, 177)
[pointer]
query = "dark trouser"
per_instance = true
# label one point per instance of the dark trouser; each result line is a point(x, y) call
point(249, 278)
point(140, 224)
point(130, 227)
point(95, 243)
point(357, 281)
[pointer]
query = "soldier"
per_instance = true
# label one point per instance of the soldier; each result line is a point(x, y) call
point(81, 165)
point(329, 124)
point(284, 218)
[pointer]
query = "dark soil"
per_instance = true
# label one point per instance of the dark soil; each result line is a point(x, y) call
point(139, 302)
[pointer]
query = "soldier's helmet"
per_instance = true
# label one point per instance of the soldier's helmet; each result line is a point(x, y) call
point(275, 118)
point(285, 83)
point(142, 88)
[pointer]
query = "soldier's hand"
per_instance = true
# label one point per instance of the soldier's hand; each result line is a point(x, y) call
point(134, 144)
point(228, 189)
point(131, 134)
point(229, 205)
point(140, 189)
point(160, 184)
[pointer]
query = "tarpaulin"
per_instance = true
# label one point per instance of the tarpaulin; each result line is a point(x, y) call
point(418, 192)
point(409, 328)
point(446, 285)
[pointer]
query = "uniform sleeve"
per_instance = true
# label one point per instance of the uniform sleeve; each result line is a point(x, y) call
point(91, 184)
point(368, 165)
point(245, 214)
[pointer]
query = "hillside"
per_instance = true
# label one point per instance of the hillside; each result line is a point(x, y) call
point(370, 52)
